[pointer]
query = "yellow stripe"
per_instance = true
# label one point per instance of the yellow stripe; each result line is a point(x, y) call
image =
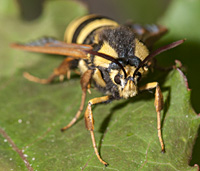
point(98, 78)
point(106, 49)
point(92, 26)
point(82, 66)
point(70, 30)
point(141, 50)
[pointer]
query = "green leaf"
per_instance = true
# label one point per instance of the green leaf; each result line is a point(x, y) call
point(182, 20)
point(32, 114)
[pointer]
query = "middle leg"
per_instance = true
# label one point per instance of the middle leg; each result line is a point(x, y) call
point(85, 81)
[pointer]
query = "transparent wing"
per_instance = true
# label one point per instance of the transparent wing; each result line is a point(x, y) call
point(148, 34)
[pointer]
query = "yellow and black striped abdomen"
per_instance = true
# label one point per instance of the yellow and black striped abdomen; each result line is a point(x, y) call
point(79, 30)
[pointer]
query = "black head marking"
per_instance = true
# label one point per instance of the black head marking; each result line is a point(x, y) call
point(132, 61)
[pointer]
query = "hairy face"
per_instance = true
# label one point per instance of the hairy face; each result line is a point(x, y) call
point(127, 87)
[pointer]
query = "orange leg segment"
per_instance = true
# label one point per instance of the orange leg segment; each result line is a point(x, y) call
point(89, 122)
point(85, 81)
point(158, 105)
point(61, 71)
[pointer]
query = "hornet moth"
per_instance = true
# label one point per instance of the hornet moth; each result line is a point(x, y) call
point(113, 57)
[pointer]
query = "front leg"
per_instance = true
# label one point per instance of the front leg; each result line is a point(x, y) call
point(89, 122)
point(158, 105)
point(85, 81)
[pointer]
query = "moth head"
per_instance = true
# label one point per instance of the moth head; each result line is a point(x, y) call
point(127, 86)
point(121, 72)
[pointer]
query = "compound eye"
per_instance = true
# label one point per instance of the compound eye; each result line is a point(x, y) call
point(117, 79)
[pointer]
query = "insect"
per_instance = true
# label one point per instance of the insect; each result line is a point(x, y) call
point(112, 57)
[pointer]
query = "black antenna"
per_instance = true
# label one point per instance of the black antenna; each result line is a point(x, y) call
point(157, 52)
point(110, 58)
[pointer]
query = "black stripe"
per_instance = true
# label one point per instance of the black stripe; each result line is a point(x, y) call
point(83, 24)
point(90, 37)
point(96, 47)
point(134, 61)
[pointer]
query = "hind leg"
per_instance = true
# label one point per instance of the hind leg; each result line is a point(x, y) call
point(63, 69)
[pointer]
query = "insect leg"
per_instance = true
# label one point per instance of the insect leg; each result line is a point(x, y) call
point(85, 81)
point(158, 105)
point(61, 71)
point(89, 122)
